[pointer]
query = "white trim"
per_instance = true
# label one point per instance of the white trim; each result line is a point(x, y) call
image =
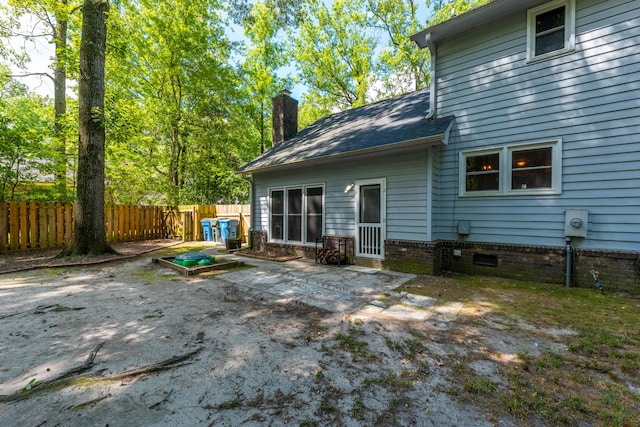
point(432, 78)
point(505, 170)
point(383, 214)
point(303, 235)
point(569, 29)
point(429, 192)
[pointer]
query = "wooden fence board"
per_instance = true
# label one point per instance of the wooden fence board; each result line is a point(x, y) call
point(42, 225)
point(33, 225)
point(68, 222)
point(14, 229)
point(59, 224)
point(30, 225)
point(4, 226)
point(24, 226)
point(51, 218)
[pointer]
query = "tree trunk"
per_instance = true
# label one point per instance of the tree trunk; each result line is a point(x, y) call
point(88, 232)
point(60, 103)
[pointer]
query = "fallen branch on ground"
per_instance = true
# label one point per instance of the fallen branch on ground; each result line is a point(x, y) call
point(67, 377)
point(24, 393)
point(152, 368)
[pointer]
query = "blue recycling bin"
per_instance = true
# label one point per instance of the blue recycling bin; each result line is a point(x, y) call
point(223, 224)
point(207, 232)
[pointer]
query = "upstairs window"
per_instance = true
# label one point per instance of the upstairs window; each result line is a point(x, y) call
point(551, 29)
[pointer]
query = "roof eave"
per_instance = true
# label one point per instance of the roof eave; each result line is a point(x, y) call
point(434, 139)
point(474, 18)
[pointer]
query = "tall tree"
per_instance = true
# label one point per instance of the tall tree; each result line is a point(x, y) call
point(443, 10)
point(263, 57)
point(52, 20)
point(180, 76)
point(25, 124)
point(401, 66)
point(89, 237)
point(334, 53)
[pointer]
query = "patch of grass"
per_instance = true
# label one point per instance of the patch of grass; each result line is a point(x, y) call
point(594, 381)
point(414, 347)
point(329, 398)
point(230, 404)
point(549, 360)
point(32, 384)
point(308, 422)
point(353, 344)
point(393, 345)
point(472, 382)
point(358, 410)
point(396, 406)
point(394, 381)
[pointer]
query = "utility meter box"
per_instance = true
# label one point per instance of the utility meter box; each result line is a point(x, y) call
point(575, 222)
point(464, 227)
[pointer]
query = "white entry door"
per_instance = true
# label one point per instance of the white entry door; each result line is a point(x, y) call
point(370, 218)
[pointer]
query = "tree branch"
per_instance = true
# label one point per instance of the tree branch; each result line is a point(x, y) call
point(16, 76)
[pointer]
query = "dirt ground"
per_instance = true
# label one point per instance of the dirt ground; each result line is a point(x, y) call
point(128, 343)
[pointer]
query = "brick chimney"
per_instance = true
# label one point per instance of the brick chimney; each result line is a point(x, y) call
point(285, 117)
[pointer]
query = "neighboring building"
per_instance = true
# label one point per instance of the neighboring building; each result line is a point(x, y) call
point(527, 149)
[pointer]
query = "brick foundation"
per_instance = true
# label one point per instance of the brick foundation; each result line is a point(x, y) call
point(618, 271)
point(411, 256)
point(261, 243)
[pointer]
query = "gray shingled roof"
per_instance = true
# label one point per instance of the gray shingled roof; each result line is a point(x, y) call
point(377, 126)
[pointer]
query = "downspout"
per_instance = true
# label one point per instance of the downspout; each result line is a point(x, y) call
point(431, 45)
point(251, 210)
point(569, 263)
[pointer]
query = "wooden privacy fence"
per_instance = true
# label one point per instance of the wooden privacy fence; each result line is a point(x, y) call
point(191, 215)
point(31, 225)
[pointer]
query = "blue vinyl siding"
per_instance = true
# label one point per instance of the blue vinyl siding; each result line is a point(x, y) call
point(589, 98)
point(406, 180)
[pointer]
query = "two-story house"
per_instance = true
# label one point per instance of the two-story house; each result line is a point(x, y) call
point(521, 160)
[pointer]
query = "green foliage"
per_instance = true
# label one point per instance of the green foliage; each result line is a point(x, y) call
point(263, 57)
point(184, 106)
point(402, 67)
point(176, 122)
point(25, 123)
point(333, 55)
point(445, 9)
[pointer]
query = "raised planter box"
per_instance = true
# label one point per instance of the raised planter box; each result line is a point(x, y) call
point(220, 264)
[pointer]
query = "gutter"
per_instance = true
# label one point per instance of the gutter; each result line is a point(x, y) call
point(443, 138)
point(432, 77)
point(425, 40)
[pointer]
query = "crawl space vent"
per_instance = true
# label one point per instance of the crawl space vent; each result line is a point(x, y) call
point(485, 259)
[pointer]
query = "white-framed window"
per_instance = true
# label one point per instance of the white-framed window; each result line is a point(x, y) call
point(551, 29)
point(522, 169)
point(296, 213)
